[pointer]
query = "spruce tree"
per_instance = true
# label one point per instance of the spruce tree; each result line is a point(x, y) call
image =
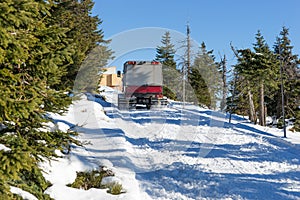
point(26, 66)
point(165, 55)
point(246, 91)
point(83, 34)
point(200, 88)
point(36, 52)
point(205, 68)
point(236, 101)
point(266, 72)
point(291, 77)
point(259, 69)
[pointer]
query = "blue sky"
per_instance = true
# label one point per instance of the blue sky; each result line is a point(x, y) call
point(216, 22)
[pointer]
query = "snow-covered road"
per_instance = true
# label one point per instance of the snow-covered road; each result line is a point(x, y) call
point(176, 153)
point(189, 154)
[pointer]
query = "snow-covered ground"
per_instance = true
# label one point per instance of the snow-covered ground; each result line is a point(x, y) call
point(176, 153)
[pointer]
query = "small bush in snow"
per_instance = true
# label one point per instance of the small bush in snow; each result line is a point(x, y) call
point(115, 188)
point(92, 179)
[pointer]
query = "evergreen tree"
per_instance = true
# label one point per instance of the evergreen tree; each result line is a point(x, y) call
point(26, 66)
point(165, 55)
point(242, 98)
point(236, 101)
point(89, 75)
point(266, 72)
point(83, 35)
point(258, 68)
point(205, 68)
point(243, 82)
point(291, 77)
point(36, 50)
point(200, 88)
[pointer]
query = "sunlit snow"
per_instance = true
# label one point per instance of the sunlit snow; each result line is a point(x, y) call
point(175, 153)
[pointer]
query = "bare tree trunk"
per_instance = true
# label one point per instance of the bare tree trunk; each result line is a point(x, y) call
point(224, 86)
point(266, 111)
point(262, 118)
point(252, 114)
point(278, 106)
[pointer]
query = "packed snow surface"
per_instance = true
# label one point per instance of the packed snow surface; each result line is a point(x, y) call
point(177, 152)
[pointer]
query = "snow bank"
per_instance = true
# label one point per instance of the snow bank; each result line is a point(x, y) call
point(89, 120)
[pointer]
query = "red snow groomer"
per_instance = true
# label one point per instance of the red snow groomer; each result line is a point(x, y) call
point(142, 85)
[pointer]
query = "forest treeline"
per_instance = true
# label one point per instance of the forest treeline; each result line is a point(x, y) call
point(255, 86)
